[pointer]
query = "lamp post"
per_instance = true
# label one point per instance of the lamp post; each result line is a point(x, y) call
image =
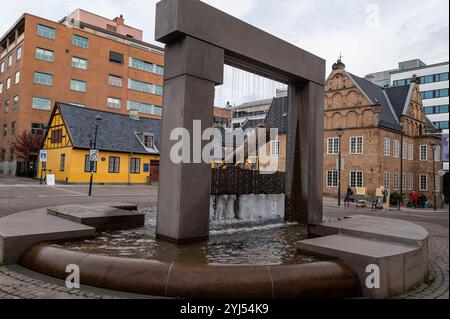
point(340, 133)
point(43, 164)
point(97, 124)
point(401, 167)
point(434, 147)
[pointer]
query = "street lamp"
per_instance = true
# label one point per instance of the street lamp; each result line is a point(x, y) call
point(94, 147)
point(401, 166)
point(340, 133)
point(434, 147)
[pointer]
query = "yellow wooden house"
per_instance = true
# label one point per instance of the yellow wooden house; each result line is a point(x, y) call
point(128, 146)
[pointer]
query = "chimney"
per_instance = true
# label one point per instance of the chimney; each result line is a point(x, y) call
point(119, 20)
point(370, 78)
point(134, 115)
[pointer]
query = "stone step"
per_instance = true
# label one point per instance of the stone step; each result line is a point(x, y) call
point(402, 265)
point(20, 231)
point(102, 218)
point(373, 228)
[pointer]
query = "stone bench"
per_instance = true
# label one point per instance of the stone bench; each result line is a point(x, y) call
point(398, 248)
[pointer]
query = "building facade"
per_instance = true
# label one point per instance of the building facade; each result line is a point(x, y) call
point(84, 59)
point(130, 156)
point(222, 117)
point(250, 114)
point(434, 85)
point(387, 139)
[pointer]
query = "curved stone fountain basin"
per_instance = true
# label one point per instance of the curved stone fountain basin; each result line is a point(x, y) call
point(329, 279)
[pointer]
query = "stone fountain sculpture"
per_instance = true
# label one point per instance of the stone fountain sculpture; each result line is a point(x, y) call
point(199, 41)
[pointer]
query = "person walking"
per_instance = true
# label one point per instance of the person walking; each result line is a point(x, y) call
point(348, 197)
point(414, 198)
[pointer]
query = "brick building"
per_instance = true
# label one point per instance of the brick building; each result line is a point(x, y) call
point(84, 59)
point(387, 139)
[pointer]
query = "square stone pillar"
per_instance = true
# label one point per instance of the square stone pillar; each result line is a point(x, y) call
point(193, 69)
point(304, 154)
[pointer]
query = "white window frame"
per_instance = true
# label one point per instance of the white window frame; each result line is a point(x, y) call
point(387, 180)
point(422, 158)
point(332, 182)
point(411, 152)
point(45, 55)
point(79, 63)
point(396, 181)
point(76, 87)
point(275, 148)
point(411, 182)
point(112, 103)
point(396, 149)
point(333, 145)
point(387, 147)
point(17, 77)
point(420, 183)
point(357, 139)
point(19, 53)
point(8, 83)
point(356, 173)
point(405, 151)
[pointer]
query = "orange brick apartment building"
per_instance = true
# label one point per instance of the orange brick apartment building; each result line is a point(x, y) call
point(383, 129)
point(84, 59)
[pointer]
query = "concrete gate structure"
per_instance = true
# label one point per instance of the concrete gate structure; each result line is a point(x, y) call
point(200, 40)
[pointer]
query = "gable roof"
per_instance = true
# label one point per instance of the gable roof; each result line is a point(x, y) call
point(377, 95)
point(398, 95)
point(116, 132)
point(277, 115)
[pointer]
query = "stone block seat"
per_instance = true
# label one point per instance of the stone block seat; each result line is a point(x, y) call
point(398, 248)
point(20, 231)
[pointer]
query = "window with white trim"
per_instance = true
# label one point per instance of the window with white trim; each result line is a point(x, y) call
point(8, 83)
point(79, 63)
point(387, 147)
point(404, 181)
point(356, 145)
point(396, 181)
point(45, 55)
point(411, 152)
point(411, 182)
point(387, 180)
point(423, 182)
point(275, 148)
point(114, 103)
point(396, 148)
point(332, 179)
point(424, 153)
point(19, 54)
point(333, 145)
point(356, 179)
point(17, 78)
point(405, 151)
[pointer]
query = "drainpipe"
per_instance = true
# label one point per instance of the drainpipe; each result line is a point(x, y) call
point(129, 168)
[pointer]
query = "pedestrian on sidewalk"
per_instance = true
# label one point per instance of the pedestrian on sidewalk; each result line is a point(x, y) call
point(414, 198)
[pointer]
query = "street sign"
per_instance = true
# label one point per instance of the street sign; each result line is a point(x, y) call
point(43, 156)
point(93, 155)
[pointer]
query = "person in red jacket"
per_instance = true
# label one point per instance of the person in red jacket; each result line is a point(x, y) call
point(414, 198)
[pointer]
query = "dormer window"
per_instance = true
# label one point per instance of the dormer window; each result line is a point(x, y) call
point(149, 141)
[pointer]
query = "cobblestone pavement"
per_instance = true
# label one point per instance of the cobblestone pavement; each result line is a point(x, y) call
point(15, 284)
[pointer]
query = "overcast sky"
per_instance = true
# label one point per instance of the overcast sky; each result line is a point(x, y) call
point(372, 35)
